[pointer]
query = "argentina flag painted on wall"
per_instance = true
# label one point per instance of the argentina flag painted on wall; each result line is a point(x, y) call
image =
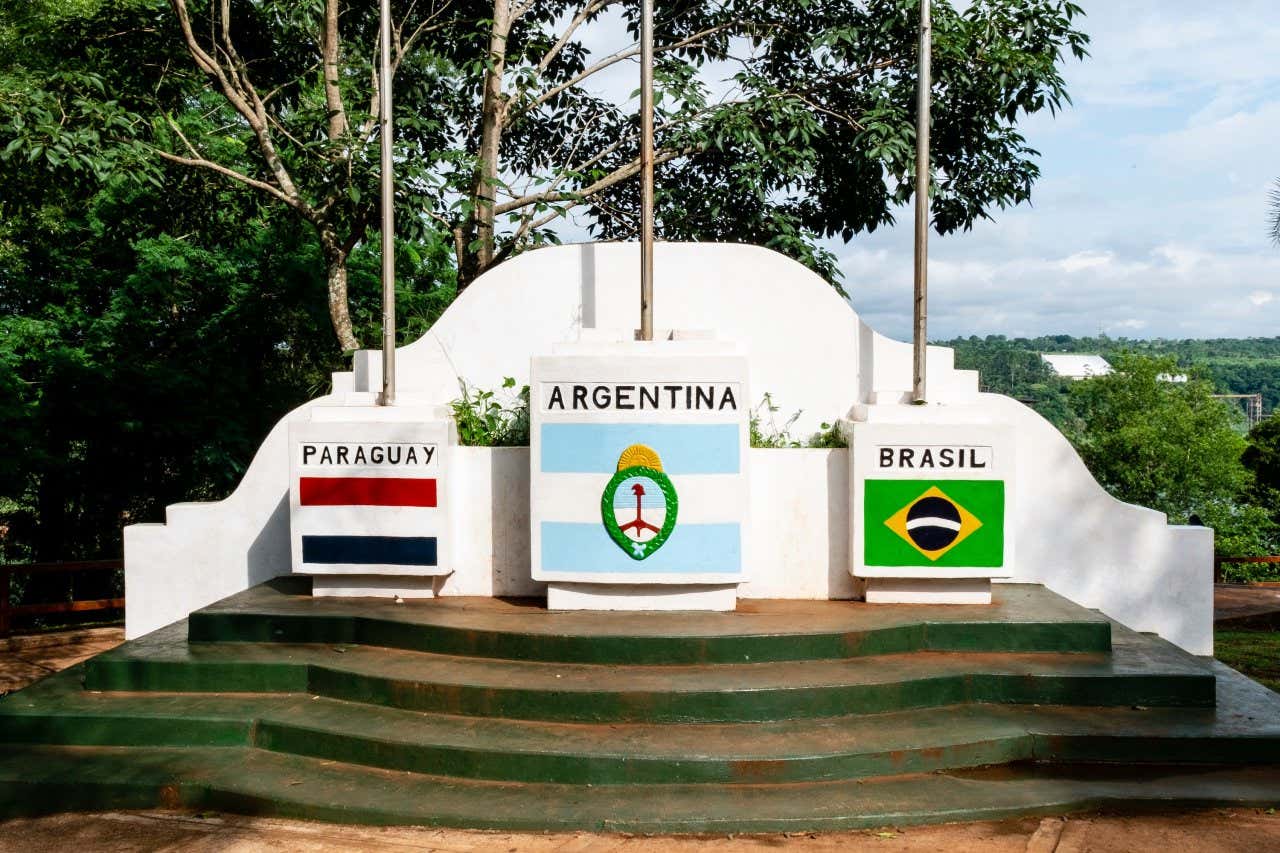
point(642, 478)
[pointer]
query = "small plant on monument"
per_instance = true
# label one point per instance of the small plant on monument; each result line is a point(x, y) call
point(767, 433)
point(492, 418)
point(829, 435)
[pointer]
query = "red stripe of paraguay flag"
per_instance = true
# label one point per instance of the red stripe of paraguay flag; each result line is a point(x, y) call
point(367, 491)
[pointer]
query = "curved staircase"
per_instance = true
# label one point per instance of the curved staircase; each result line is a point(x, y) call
point(499, 714)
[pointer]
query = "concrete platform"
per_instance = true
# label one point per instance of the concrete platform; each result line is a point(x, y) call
point(499, 714)
point(1025, 618)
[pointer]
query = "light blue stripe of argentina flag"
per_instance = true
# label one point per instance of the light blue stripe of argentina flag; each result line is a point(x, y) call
point(692, 549)
point(684, 448)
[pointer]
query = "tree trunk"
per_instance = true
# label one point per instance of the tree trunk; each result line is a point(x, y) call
point(492, 114)
point(329, 50)
point(335, 264)
point(468, 260)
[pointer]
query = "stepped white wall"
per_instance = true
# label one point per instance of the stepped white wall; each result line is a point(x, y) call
point(806, 347)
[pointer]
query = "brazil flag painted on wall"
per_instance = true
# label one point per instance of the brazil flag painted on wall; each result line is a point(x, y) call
point(934, 523)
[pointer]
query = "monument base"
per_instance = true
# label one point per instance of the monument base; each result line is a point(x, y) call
point(590, 596)
point(928, 591)
point(375, 586)
point(784, 716)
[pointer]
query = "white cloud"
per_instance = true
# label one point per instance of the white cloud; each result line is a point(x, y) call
point(1149, 53)
point(1086, 261)
point(1178, 290)
point(1241, 140)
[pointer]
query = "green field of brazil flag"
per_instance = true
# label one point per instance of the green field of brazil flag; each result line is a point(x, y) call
point(935, 523)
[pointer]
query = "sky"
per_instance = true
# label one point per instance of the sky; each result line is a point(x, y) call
point(1150, 217)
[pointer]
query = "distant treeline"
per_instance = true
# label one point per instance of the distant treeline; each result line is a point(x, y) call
point(1012, 365)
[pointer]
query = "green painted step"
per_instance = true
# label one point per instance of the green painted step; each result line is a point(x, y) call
point(1140, 671)
point(1025, 618)
point(1243, 729)
point(39, 780)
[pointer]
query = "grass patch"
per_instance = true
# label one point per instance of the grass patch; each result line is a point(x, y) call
point(1255, 653)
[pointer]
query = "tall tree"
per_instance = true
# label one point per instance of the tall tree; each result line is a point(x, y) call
point(155, 319)
point(779, 123)
point(301, 85)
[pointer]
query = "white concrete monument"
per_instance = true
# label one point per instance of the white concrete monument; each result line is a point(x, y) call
point(805, 534)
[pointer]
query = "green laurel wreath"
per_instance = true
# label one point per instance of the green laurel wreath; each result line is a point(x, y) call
point(624, 542)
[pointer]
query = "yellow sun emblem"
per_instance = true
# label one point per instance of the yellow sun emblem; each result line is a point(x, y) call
point(637, 455)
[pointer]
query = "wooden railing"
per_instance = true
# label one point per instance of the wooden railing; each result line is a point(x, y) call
point(1219, 561)
point(8, 611)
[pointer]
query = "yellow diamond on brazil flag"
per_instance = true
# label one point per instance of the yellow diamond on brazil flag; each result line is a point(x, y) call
point(934, 523)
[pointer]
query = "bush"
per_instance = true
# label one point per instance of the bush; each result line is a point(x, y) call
point(485, 420)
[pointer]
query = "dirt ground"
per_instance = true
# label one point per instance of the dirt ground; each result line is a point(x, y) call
point(29, 658)
point(1237, 604)
point(1198, 832)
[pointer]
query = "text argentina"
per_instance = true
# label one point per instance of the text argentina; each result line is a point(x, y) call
point(641, 397)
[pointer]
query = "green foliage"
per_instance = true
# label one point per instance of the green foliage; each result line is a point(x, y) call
point(764, 430)
point(1243, 528)
point(1248, 572)
point(486, 419)
point(811, 135)
point(1166, 445)
point(829, 436)
point(1262, 456)
point(150, 339)
point(817, 138)
point(768, 433)
point(1006, 367)
point(1235, 365)
point(814, 139)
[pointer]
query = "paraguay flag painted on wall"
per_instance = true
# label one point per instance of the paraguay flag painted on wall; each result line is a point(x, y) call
point(367, 498)
point(638, 502)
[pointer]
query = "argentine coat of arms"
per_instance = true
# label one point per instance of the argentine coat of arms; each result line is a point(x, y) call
point(639, 503)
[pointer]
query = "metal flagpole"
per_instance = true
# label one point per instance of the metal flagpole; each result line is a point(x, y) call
point(388, 395)
point(646, 170)
point(923, 100)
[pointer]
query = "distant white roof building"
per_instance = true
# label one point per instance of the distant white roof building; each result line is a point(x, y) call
point(1073, 366)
